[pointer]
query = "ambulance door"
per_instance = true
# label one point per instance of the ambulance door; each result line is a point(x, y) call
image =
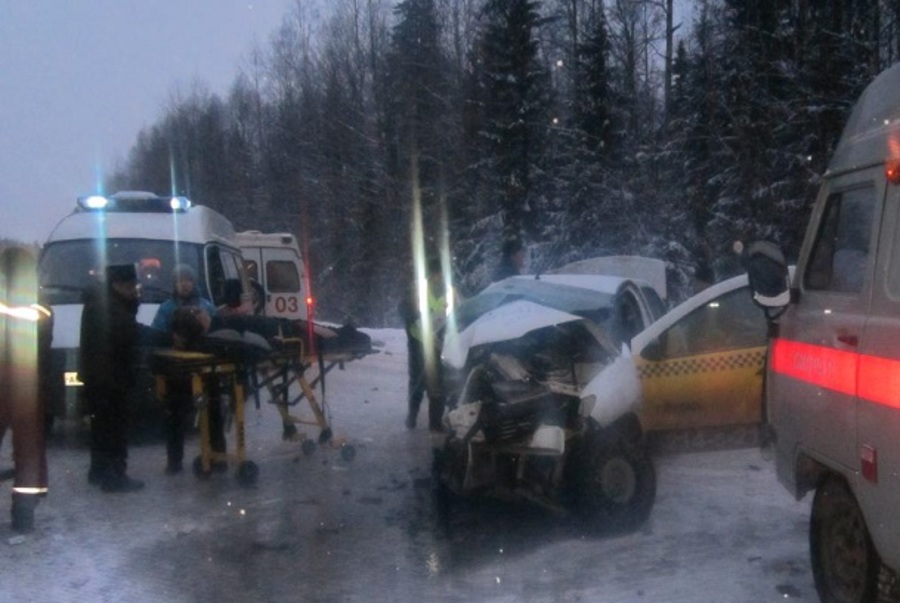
point(878, 488)
point(282, 281)
point(812, 393)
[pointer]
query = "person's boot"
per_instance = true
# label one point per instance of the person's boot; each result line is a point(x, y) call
point(174, 467)
point(23, 512)
point(117, 480)
point(96, 472)
point(411, 417)
point(120, 482)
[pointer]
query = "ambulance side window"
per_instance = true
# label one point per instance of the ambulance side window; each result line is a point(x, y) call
point(216, 271)
point(893, 271)
point(282, 277)
point(839, 254)
point(222, 265)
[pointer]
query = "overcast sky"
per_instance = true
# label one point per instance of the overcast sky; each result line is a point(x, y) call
point(80, 78)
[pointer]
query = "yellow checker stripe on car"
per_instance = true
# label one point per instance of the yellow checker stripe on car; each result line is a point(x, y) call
point(708, 363)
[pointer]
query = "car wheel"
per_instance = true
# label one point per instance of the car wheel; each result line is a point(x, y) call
point(614, 483)
point(844, 561)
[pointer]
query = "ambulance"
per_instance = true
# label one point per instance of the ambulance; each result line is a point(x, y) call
point(155, 233)
point(833, 369)
point(277, 273)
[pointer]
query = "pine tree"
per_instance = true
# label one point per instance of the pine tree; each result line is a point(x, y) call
point(512, 94)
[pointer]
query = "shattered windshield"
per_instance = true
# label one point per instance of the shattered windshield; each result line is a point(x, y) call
point(575, 300)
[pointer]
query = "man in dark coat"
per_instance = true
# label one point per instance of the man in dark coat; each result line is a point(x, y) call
point(109, 338)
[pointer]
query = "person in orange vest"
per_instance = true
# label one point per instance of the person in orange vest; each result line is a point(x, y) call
point(26, 331)
point(421, 335)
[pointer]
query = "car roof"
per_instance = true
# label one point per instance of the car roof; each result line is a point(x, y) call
point(576, 294)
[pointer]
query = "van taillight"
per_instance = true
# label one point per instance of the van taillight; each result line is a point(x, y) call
point(892, 171)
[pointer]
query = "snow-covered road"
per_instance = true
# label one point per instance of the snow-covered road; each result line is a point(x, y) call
point(319, 528)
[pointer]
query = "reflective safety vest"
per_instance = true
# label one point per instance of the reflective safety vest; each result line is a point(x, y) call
point(437, 309)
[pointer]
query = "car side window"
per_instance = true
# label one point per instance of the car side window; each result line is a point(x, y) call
point(630, 317)
point(841, 248)
point(730, 321)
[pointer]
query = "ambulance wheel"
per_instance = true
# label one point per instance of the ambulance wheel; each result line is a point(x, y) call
point(348, 452)
point(197, 467)
point(288, 432)
point(844, 561)
point(247, 473)
point(308, 447)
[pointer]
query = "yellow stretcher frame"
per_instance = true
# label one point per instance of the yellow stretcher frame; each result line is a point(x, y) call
point(197, 366)
point(287, 365)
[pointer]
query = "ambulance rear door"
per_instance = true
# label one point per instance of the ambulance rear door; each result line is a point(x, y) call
point(878, 488)
point(279, 271)
point(812, 384)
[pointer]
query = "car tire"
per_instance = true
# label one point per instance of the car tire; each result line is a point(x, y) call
point(844, 561)
point(613, 482)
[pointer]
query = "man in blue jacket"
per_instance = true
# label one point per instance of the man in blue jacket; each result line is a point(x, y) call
point(187, 316)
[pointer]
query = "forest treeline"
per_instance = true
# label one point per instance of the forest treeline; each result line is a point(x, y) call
point(585, 127)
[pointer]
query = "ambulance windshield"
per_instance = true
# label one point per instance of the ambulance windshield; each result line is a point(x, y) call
point(67, 267)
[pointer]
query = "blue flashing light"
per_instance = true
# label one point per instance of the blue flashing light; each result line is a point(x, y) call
point(179, 203)
point(134, 202)
point(93, 202)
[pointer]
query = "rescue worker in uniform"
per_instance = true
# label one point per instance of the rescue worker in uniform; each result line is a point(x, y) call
point(187, 316)
point(26, 331)
point(109, 339)
point(425, 366)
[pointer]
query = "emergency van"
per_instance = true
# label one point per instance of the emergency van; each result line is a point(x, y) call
point(833, 369)
point(278, 276)
point(155, 233)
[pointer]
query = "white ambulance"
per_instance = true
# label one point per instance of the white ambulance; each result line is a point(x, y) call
point(833, 376)
point(152, 232)
point(277, 273)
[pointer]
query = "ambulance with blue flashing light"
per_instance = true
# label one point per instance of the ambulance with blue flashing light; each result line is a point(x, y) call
point(134, 227)
point(833, 371)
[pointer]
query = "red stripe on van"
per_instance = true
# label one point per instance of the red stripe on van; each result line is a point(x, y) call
point(879, 380)
point(871, 378)
point(826, 367)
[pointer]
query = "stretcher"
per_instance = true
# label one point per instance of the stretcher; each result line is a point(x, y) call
point(273, 367)
point(290, 364)
point(199, 367)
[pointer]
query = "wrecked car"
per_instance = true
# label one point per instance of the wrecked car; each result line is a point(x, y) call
point(543, 403)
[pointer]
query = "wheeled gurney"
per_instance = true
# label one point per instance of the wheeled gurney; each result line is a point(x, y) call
point(264, 356)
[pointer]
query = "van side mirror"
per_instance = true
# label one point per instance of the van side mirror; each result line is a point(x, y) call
point(767, 272)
